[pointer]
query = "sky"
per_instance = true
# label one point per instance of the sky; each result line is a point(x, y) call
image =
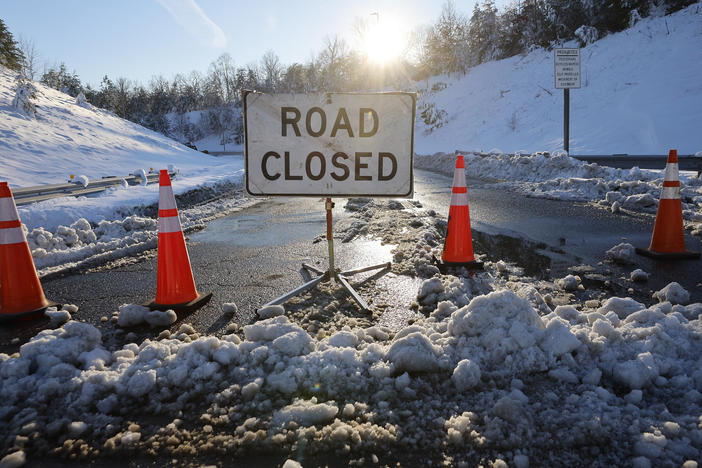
point(139, 39)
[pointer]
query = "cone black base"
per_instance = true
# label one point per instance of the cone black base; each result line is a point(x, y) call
point(687, 255)
point(31, 314)
point(446, 266)
point(195, 304)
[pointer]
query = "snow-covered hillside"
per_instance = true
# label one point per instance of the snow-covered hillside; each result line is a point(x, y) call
point(195, 127)
point(66, 138)
point(641, 94)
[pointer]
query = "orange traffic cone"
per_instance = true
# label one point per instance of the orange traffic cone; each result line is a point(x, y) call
point(458, 247)
point(668, 240)
point(21, 294)
point(175, 286)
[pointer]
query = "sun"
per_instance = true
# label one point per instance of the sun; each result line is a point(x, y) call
point(383, 41)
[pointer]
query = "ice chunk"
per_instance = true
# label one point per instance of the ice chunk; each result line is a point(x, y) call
point(231, 308)
point(141, 382)
point(634, 373)
point(487, 312)
point(466, 375)
point(673, 293)
point(414, 353)
point(305, 413)
point(294, 343)
point(76, 428)
point(558, 338)
point(638, 275)
point(13, 460)
point(160, 318)
point(622, 253)
point(271, 311)
point(57, 317)
point(269, 329)
point(569, 283)
point(623, 307)
point(131, 315)
point(343, 339)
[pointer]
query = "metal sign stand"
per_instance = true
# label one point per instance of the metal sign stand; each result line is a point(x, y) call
point(566, 119)
point(332, 272)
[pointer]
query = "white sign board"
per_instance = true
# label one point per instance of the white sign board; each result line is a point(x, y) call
point(566, 64)
point(329, 144)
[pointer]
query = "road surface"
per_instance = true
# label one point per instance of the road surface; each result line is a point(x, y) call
point(254, 256)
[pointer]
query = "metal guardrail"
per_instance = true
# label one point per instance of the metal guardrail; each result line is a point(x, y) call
point(686, 162)
point(225, 153)
point(27, 195)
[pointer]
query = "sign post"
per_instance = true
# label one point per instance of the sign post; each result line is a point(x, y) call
point(566, 64)
point(330, 144)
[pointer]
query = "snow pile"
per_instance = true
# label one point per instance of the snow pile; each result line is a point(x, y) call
point(561, 177)
point(85, 242)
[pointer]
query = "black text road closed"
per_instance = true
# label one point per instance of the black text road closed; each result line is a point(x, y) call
point(330, 144)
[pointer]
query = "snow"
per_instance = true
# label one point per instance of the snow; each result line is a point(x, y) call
point(466, 375)
point(673, 293)
point(306, 413)
point(622, 253)
point(639, 275)
point(271, 311)
point(13, 460)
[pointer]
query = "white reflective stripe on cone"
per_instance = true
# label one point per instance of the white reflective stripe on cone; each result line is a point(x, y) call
point(670, 193)
point(166, 201)
point(8, 210)
point(459, 199)
point(671, 172)
point(11, 236)
point(459, 178)
point(169, 224)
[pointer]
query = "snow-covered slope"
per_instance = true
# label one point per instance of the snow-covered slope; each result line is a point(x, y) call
point(66, 138)
point(641, 94)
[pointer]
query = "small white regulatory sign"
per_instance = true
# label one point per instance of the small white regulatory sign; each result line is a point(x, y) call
point(566, 64)
point(329, 144)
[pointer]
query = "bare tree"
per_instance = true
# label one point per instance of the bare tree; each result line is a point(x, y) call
point(30, 63)
point(223, 77)
point(332, 60)
point(272, 69)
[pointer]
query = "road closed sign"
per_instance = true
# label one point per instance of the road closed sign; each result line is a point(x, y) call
point(329, 144)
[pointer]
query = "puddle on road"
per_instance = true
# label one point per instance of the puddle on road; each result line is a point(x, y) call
point(261, 230)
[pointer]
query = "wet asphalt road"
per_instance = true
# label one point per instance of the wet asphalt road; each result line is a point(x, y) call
point(255, 255)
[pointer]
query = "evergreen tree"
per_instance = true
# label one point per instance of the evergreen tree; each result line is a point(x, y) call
point(10, 54)
point(60, 79)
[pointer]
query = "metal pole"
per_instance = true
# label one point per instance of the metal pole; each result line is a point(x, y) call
point(566, 119)
point(330, 238)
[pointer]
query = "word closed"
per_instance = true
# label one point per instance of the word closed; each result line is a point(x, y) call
point(332, 144)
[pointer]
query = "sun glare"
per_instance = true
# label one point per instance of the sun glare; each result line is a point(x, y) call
point(384, 41)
